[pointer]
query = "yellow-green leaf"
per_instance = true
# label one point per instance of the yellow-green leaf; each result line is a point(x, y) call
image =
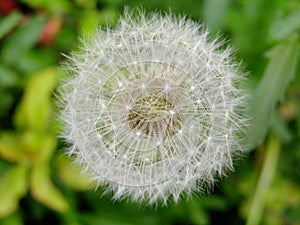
point(28, 147)
point(34, 109)
point(41, 146)
point(12, 148)
point(70, 174)
point(13, 186)
point(44, 191)
point(47, 147)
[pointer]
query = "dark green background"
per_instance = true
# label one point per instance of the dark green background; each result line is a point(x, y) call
point(38, 183)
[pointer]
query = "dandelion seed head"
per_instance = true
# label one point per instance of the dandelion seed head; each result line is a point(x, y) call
point(151, 108)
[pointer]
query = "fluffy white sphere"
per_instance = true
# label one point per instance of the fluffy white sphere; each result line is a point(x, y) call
point(151, 108)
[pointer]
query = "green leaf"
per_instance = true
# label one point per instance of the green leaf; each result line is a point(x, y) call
point(280, 127)
point(9, 82)
point(283, 60)
point(34, 110)
point(21, 40)
point(248, 22)
point(215, 13)
point(90, 20)
point(282, 27)
point(66, 40)
point(9, 22)
point(198, 214)
point(13, 186)
point(5, 103)
point(43, 189)
point(108, 16)
point(37, 59)
point(43, 146)
point(87, 4)
point(14, 219)
point(53, 6)
point(267, 174)
point(8, 77)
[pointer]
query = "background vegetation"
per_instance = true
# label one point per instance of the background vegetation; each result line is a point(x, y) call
point(39, 185)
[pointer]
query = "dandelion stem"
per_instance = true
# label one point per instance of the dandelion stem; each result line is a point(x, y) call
point(264, 182)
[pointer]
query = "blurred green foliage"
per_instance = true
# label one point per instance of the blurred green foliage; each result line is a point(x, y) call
point(40, 185)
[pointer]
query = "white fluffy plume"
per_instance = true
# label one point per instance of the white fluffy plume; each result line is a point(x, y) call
point(151, 107)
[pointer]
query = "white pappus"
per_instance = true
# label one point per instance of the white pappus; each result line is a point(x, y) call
point(151, 108)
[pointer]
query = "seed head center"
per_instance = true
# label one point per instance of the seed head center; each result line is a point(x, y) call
point(154, 115)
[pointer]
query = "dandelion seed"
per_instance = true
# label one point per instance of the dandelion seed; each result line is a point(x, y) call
point(151, 109)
